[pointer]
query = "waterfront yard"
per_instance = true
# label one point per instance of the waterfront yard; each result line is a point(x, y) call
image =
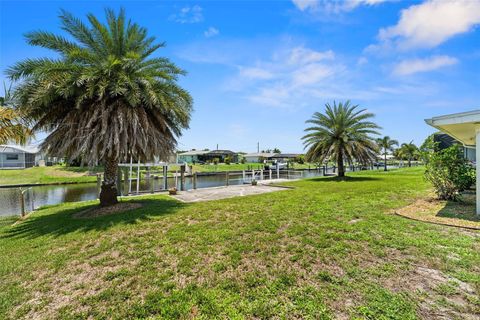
point(47, 175)
point(326, 249)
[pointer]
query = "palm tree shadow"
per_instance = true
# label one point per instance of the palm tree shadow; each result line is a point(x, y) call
point(62, 222)
point(344, 179)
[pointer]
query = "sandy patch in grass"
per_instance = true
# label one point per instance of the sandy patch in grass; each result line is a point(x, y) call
point(457, 214)
point(440, 296)
point(104, 211)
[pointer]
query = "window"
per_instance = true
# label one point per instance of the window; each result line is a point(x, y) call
point(12, 156)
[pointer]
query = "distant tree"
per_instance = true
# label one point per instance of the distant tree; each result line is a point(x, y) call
point(342, 133)
point(300, 159)
point(13, 127)
point(276, 150)
point(105, 97)
point(386, 144)
point(428, 146)
point(409, 151)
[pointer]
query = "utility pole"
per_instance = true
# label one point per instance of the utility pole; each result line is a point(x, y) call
point(258, 147)
point(217, 146)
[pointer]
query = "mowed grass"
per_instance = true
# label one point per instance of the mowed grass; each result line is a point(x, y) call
point(46, 175)
point(326, 249)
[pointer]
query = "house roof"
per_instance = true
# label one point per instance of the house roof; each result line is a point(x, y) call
point(193, 153)
point(286, 155)
point(260, 154)
point(213, 152)
point(462, 126)
point(203, 152)
point(6, 148)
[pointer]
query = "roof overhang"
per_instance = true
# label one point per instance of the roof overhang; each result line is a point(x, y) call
point(462, 126)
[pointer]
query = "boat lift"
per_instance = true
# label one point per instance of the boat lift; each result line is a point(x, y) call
point(129, 172)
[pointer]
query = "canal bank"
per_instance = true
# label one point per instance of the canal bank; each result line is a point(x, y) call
point(50, 194)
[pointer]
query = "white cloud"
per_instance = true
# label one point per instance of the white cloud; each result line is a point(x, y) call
point(412, 66)
point(311, 74)
point(255, 73)
point(188, 14)
point(289, 74)
point(305, 4)
point(333, 6)
point(431, 23)
point(211, 32)
point(302, 55)
point(362, 61)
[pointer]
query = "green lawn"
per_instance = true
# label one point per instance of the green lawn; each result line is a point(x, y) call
point(326, 249)
point(54, 174)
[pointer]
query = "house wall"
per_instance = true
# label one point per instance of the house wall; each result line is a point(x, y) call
point(252, 159)
point(470, 154)
point(5, 162)
point(187, 158)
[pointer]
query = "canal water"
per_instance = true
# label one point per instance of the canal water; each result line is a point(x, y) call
point(38, 196)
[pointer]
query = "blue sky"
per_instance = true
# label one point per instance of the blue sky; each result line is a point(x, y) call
point(258, 69)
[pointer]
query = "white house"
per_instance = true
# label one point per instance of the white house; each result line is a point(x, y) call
point(258, 157)
point(465, 128)
point(12, 156)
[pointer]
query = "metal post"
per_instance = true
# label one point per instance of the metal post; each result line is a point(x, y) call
point(22, 202)
point(182, 177)
point(253, 174)
point(152, 183)
point(195, 180)
point(176, 178)
point(324, 168)
point(270, 174)
point(261, 174)
point(130, 176)
point(278, 171)
point(138, 177)
point(226, 178)
point(165, 177)
point(243, 175)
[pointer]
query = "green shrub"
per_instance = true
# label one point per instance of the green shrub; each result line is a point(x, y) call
point(243, 160)
point(449, 172)
point(227, 160)
point(300, 159)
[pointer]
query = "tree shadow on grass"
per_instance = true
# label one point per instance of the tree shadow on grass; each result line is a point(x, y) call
point(344, 179)
point(57, 221)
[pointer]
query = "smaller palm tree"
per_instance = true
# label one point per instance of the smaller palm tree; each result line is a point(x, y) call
point(342, 133)
point(12, 126)
point(386, 144)
point(408, 151)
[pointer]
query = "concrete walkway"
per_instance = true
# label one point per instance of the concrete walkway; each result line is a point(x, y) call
point(216, 193)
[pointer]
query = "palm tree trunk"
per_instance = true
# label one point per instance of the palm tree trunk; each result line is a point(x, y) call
point(108, 194)
point(385, 163)
point(409, 162)
point(341, 168)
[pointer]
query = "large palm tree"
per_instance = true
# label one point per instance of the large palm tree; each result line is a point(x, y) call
point(342, 133)
point(13, 128)
point(386, 144)
point(409, 151)
point(105, 98)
